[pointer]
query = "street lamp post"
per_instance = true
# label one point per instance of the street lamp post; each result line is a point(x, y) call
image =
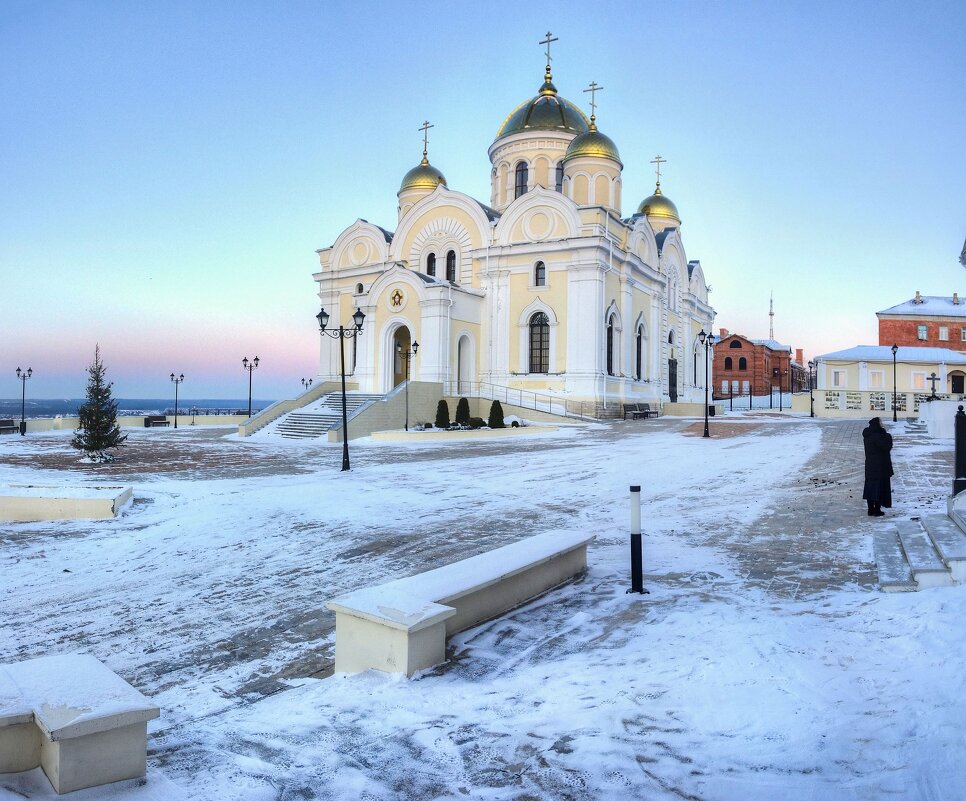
point(306, 383)
point(895, 349)
point(707, 340)
point(177, 381)
point(342, 335)
point(811, 387)
point(407, 355)
point(23, 375)
point(250, 367)
point(781, 387)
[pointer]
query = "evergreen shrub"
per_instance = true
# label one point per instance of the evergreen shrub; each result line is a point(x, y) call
point(442, 414)
point(463, 412)
point(496, 415)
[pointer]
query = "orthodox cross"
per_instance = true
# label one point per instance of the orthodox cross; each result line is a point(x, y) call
point(593, 89)
point(933, 378)
point(425, 129)
point(547, 42)
point(658, 161)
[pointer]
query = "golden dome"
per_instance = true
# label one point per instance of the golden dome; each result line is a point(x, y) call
point(593, 144)
point(545, 112)
point(423, 176)
point(657, 205)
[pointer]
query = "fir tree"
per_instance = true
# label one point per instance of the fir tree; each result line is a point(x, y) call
point(98, 429)
point(463, 412)
point(442, 414)
point(496, 415)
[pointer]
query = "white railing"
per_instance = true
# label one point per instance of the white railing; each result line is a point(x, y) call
point(524, 399)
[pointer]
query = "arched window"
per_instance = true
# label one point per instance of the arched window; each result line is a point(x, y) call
point(431, 264)
point(451, 266)
point(742, 363)
point(540, 274)
point(735, 343)
point(639, 355)
point(358, 289)
point(540, 343)
point(670, 337)
point(559, 182)
point(610, 345)
point(729, 364)
point(522, 175)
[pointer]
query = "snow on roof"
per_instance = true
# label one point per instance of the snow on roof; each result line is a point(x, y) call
point(774, 344)
point(931, 306)
point(883, 353)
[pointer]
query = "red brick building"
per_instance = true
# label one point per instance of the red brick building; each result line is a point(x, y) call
point(925, 321)
point(759, 366)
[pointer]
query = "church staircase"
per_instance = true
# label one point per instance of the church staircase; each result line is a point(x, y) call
point(921, 553)
point(326, 413)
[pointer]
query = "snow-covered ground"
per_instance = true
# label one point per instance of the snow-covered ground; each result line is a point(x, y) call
point(764, 663)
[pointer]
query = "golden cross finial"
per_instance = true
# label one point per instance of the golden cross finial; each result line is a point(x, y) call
point(550, 38)
point(425, 129)
point(593, 89)
point(658, 161)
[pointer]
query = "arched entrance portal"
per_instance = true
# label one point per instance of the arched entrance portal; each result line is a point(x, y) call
point(401, 341)
point(464, 365)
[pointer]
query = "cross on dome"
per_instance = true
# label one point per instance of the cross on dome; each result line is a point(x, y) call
point(593, 89)
point(425, 129)
point(550, 38)
point(658, 161)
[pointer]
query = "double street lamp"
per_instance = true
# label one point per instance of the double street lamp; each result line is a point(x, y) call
point(23, 375)
point(407, 355)
point(306, 383)
point(250, 367)
point(177, 381)
point(707, 340)
point(342, 335)
point(895, 349)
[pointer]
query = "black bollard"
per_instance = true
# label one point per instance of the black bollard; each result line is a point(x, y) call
point(959, 476)
point(637, 555)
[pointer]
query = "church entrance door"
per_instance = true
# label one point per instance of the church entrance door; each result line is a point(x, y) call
point(401, 341)
point(672, 379)
point(957, 380)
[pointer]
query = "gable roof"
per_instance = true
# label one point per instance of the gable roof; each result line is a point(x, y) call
point(883, 353)
point(931, 306)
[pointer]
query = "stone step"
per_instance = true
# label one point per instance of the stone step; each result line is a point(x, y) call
point(927, 568)
point(950, 542)
point(895, 575)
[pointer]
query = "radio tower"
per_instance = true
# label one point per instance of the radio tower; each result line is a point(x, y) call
point(771, 315)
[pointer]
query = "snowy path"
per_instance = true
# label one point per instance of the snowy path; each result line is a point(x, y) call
point(763, 664)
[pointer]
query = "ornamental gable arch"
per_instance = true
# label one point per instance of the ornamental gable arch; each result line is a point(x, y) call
point(535, 306)
point(642, 243)
point(360, 244)
point(440, 235)
point(440, 203)
point(539, 215)
point(398, 276)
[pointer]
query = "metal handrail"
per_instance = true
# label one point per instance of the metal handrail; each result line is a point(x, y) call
point(524, 398)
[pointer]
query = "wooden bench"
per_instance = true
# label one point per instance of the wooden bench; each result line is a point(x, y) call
point(8, 427)
point(639, 410)
point(401, 627)
point(155, 420)
point(75, 718)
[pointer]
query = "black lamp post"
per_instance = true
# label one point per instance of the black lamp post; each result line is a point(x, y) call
point(23, 376)
point(306, 383)
point(250, 367)
point(895, 349)
point(811, 387)
point(342, 335)
point(407, 355)
point(781, 387)
point(177, 380)
point(707, 340)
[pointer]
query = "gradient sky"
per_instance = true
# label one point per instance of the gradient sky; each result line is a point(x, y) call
point(167, 170)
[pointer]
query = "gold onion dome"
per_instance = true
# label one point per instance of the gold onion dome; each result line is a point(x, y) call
point(423, 176)
point(657, 205)
point(593, 144)
point(545, 112)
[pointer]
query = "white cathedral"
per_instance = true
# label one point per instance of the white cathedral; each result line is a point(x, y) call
point(547, 289)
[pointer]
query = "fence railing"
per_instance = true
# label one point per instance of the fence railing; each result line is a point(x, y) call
point(525, 399)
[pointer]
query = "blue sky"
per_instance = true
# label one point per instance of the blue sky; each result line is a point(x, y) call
point(168, 170)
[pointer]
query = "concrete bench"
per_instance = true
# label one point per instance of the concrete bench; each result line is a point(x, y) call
point(75, 718)
point(8, 427)
point(401, 627)
point(156, 420)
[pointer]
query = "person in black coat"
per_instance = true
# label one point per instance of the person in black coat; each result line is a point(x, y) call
point(878, 467)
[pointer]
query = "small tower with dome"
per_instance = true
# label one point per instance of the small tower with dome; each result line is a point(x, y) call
point(661, 213)
point(592, 165)
point(421, 180)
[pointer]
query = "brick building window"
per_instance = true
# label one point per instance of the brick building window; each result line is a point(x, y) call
point(922, 333)
point(943, 334)
point(742, 363)
point(729, 364)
